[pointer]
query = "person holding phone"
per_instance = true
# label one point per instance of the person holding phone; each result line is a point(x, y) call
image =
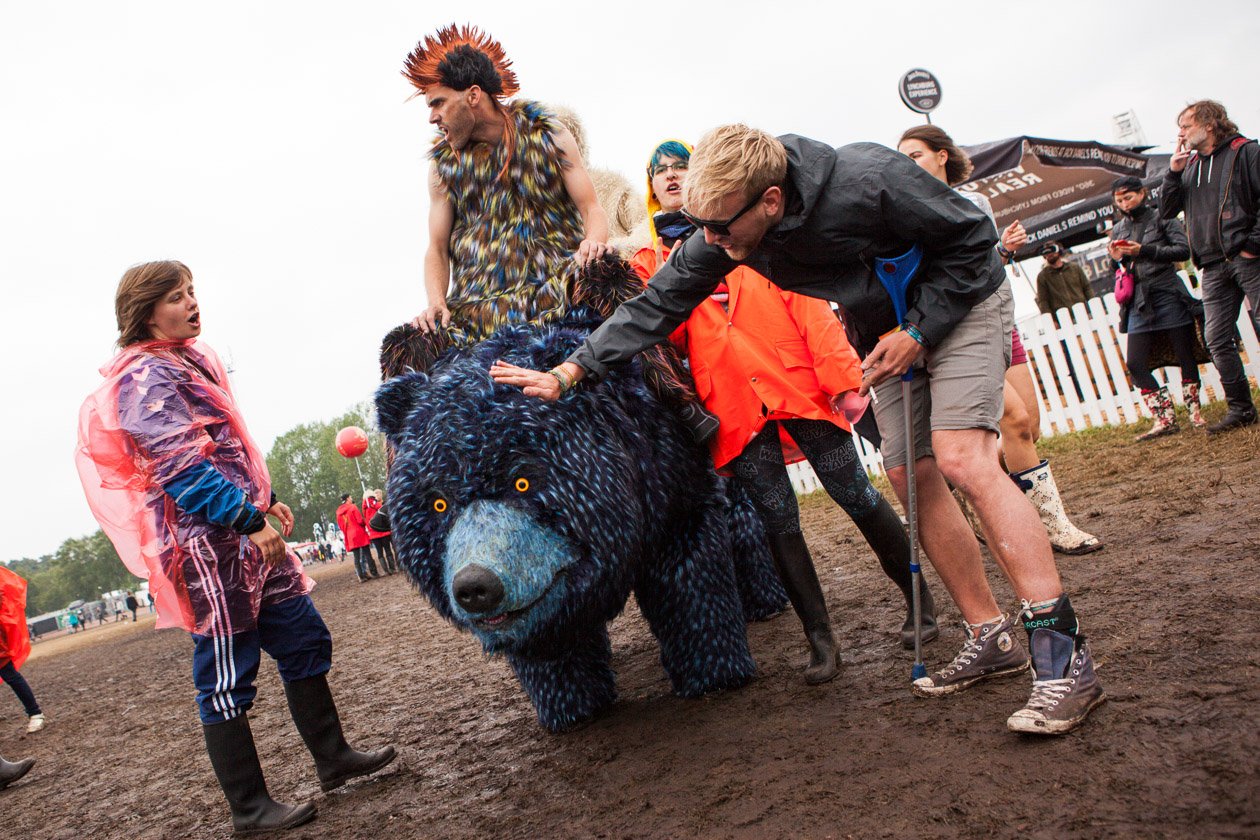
point(181, 489)
point(1161, 313)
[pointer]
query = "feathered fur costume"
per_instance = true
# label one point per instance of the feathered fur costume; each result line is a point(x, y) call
point(515, 228)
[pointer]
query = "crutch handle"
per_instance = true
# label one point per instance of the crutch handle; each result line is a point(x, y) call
point(895, 274)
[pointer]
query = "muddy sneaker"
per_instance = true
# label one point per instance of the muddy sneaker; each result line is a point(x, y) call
point(993, 652)
point(35, 723)
point(1065, 688)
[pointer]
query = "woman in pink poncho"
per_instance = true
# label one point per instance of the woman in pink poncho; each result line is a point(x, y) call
point(180, 487)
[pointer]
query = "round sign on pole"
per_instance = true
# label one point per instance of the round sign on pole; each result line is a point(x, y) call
point(920, 91)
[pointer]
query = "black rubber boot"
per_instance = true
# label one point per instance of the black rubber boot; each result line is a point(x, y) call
point(11, 771)
point(315, 714)
point(1241, 410)
point(886, 536)
point(235, 761)
point(796, 569)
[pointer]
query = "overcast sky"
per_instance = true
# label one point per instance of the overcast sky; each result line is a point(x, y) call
point(269, 146)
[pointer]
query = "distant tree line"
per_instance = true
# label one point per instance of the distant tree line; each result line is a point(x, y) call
point(82, 568)
point(307, 474)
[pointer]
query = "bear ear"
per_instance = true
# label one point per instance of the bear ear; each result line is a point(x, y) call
point(396, 399)
point(406, 349)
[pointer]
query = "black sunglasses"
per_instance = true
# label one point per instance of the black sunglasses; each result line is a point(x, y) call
point(722, 228)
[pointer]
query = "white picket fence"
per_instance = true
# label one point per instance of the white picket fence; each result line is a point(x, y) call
point(1094, 346)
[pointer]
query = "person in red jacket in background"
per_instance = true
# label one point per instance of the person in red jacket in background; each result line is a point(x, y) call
point(373, 501)
point(354, 531)
point(776, 368)
point(15, 645)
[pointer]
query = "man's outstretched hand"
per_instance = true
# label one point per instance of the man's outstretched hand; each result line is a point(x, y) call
point(535, 383)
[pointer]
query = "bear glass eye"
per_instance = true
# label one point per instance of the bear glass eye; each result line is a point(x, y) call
point(439, 505)
point(522, 484)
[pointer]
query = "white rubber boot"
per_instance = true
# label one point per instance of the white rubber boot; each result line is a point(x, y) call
point(1038, 485)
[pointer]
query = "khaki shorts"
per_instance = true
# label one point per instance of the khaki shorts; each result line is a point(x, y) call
point(958, 385)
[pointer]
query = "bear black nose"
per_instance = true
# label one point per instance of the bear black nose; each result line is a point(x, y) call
point(477, 589)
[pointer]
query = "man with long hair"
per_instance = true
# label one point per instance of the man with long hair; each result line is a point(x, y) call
point(1214, 177)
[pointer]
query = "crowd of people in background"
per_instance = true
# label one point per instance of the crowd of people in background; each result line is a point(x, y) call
point(1205, 220)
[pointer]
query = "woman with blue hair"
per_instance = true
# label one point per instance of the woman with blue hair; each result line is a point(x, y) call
point(778, 371)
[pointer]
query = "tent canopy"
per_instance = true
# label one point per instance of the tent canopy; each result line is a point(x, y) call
point(1058, 189)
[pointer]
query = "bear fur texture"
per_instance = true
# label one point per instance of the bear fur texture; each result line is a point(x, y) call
point(530, 523)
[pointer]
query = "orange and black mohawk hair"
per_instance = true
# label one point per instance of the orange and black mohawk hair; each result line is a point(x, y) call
point(458, 58)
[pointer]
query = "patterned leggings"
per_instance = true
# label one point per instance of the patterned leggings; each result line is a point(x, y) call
point(829, 450)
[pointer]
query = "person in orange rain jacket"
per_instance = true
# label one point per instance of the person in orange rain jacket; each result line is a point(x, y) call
point(15, 645)
point(776, 368)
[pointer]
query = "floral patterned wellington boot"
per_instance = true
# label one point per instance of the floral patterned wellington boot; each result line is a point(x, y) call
point(1161, 407)
point(1190, 390)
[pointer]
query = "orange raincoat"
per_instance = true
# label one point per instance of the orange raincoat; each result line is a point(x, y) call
point(15, 639)
point(767, 355)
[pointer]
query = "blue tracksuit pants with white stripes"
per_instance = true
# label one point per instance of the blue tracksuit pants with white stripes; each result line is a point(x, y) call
point(224, 667)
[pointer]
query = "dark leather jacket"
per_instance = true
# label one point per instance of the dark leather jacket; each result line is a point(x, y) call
point(1220, 194)
point(1163, 243)
point(844, 207)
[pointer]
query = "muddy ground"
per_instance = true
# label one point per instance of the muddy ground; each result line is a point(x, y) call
point(1172, 604)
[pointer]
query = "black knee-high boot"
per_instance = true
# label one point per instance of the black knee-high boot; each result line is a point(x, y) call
point(886, 536)
point(230, 746)
point(796, 569)
point(315, 715)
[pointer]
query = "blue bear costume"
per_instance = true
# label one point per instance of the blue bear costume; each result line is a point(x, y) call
point(530, 523)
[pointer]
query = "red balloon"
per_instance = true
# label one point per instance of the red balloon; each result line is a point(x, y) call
point(352, 441)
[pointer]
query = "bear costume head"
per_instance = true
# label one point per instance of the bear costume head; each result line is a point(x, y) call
point(530, 523)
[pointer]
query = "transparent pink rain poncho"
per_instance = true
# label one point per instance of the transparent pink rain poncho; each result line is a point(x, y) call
point(164, 406)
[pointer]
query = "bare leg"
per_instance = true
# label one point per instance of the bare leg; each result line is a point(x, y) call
point(968, 459)
point(1020, 378)
point(948, 540)
point(1018, 449)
